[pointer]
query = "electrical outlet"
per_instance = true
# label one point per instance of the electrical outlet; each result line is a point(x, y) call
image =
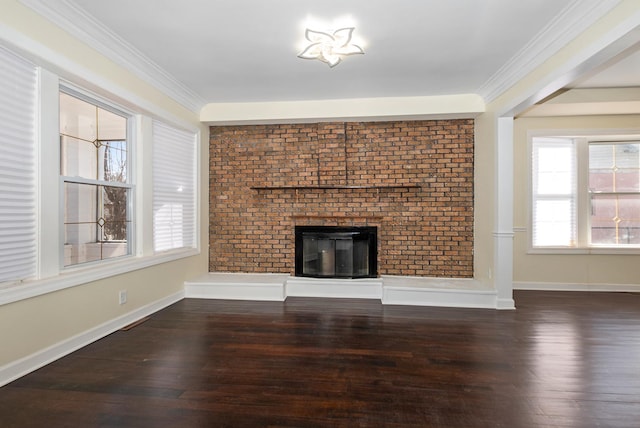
point(122, 297)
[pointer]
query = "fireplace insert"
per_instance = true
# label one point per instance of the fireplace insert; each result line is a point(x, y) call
point(336, 252)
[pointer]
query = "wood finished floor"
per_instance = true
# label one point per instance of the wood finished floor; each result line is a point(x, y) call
point(560, 360)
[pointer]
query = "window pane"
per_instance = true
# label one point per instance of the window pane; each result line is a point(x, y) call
point(80, 244)
point(554, 170)
point(112, 161)
point(553, 223)
point(614, 167)
point(78, 158)
point(628, 155)
point(96, 222)
point(554, 192)
point(111, 126)
point(78, 118)
point(615, 219)
point(80, 203)
point(93, 141)
point(115, 213)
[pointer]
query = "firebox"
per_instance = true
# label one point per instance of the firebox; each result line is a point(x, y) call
point(336, 252)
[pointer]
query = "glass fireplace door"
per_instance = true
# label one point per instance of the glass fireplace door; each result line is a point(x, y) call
point(335, 252)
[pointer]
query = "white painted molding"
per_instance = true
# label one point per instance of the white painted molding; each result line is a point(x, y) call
point(565, 286)
point(240, 286)
point(335, 288)
point(95, 34)
point(460, 106)
point(505, 304)
point(23, 366)
point(415, 296)
point(573, 20)
point(444, 292)
point(393, 290)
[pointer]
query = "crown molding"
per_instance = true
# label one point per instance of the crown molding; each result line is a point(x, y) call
point(86, 28)
point(573, 20)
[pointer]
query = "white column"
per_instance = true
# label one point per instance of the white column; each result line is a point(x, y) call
point(50, 229)
point(503, 222)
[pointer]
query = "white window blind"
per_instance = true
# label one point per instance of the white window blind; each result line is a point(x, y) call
point(554, 196)
point(174, 188)
point(18, 223)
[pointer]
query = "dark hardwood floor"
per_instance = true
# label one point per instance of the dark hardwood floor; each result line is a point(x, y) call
point(560, 360)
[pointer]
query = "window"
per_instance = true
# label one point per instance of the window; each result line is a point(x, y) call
point(72, 191)
point(96, 186)
point(554, 192)
point(585, 192)
point(614, 188)
point(174, 186)
point(18, 193)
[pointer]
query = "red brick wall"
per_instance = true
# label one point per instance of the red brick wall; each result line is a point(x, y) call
point(414, 180)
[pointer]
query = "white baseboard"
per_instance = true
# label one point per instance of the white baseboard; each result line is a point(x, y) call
point(564, 286)
point(445, 292)
point(398, 295)
point(391, 290)
point(23, 366)
point(241, 286)
point(336, 288)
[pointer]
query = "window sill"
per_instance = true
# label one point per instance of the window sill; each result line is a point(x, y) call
point(590, 251)
point(15, 292)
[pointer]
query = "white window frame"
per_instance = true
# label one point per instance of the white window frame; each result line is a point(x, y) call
point(582, 138)
point(130, 184)
point(50, 274)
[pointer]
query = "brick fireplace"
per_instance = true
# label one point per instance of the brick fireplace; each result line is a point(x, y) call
point(412, 180)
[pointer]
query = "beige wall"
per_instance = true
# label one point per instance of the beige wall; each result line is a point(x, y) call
point(544, 80)
point(588, 269)
point(30, 326)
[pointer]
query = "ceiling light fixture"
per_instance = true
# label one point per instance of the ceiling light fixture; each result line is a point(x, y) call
point(330, 48)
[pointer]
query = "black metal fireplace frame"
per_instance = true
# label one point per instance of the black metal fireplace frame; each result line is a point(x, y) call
point(368, 233)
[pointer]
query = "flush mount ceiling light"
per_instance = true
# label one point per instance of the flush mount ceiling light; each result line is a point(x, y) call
point(330, 48)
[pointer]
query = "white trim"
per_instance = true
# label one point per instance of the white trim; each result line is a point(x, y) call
point(414, 296)
point(30, 363)
point(580, 140)
point(391, 290)
point(584, 250)
point(616, 41)
point(444, 292)
point(84, 274)
point(94, 33)
point(370, 288)
point(572, 21)
point(242, 286)
point(503, 218)
point(565, 286)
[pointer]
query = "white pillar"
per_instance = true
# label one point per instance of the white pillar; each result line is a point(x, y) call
point(503, 221)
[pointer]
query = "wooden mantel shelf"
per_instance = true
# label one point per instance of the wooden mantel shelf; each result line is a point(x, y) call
point(334, 187)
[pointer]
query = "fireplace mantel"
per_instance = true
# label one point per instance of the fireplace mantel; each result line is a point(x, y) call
point(336, 187)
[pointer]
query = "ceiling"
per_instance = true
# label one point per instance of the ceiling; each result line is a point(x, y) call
point(244, 51)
